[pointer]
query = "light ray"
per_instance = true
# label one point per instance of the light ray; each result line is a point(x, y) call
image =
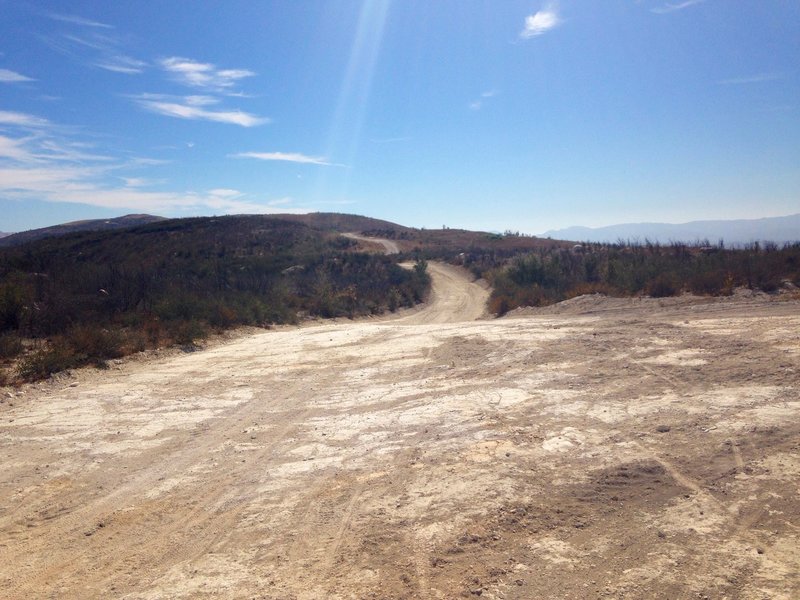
point(344, 136)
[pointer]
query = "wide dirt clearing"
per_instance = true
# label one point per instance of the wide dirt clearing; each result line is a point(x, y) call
point(599, 448)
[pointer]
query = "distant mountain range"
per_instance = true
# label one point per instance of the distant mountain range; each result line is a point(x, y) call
point(735, 232)
point(14, 239)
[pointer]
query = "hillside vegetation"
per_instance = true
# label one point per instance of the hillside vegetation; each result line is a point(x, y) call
point(90, 296)
point(547, 276)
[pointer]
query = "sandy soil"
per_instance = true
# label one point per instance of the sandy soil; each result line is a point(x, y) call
point(614, 449)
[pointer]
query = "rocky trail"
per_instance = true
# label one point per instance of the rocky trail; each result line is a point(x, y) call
point(643, 451)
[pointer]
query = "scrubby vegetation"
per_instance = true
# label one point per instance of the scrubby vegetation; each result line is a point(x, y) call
point(88, 297)
point(552, 275)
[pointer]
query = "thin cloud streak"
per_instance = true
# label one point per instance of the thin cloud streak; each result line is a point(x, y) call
point(21, 119)
point(8, 76)
point(668, 7)
point(76, 20)
point(541, 22)
point(122, 64)
point(96, 49)
point(192, 109)
point(294, 157)
point(202, 75)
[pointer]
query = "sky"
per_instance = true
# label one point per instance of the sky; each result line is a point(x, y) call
point(493, 115)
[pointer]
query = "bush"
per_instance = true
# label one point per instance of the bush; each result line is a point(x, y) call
point(94, 344)
point(46, 360)
point(10, 346)
point(186, 333)
point(12, 306)
point(664, 285)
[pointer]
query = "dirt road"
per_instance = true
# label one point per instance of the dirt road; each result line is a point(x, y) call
point(603, 449)
point(389, 246)
point(454, 298)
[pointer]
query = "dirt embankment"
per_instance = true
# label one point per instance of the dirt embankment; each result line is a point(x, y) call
point(637, 453)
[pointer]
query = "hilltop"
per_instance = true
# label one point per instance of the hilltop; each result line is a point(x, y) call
point(14, 239)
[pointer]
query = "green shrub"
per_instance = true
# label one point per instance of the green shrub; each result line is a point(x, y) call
point(10, 346)
point(46, 360)
point(95, 344)
point(664, 285)
point(186, 333)
point(12, 306)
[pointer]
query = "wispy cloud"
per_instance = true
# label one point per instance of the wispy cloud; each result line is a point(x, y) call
point(137, 182)
point(14, 149)
point(36, 164)
point(541, 22)
point(759, 78)
point(672, 7)
point(21, 119)
point(200, 100)
point(479, 103)
point(120, 63)
point(7, 76)
point(76, 20)
point(97, 49)
point(294, 157)
point(203, 75)
point(193, 108)
point(80, 186)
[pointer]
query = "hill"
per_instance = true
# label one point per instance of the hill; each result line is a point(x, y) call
point(93, 295)
point(734, 232)
point(345, 223)
point(14, 239)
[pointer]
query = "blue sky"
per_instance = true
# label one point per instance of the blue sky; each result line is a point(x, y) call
point(491, 115)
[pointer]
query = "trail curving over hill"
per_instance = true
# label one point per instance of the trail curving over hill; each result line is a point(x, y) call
point(455, 296)
point(389, 246)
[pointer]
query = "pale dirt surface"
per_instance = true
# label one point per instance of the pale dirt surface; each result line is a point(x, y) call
point(602, 448)
point(388, 246)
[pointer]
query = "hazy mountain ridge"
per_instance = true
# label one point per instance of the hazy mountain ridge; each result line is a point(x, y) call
point(14, 239)
point(734, 232)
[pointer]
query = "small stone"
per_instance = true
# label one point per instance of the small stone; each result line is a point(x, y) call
point(663, 428)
